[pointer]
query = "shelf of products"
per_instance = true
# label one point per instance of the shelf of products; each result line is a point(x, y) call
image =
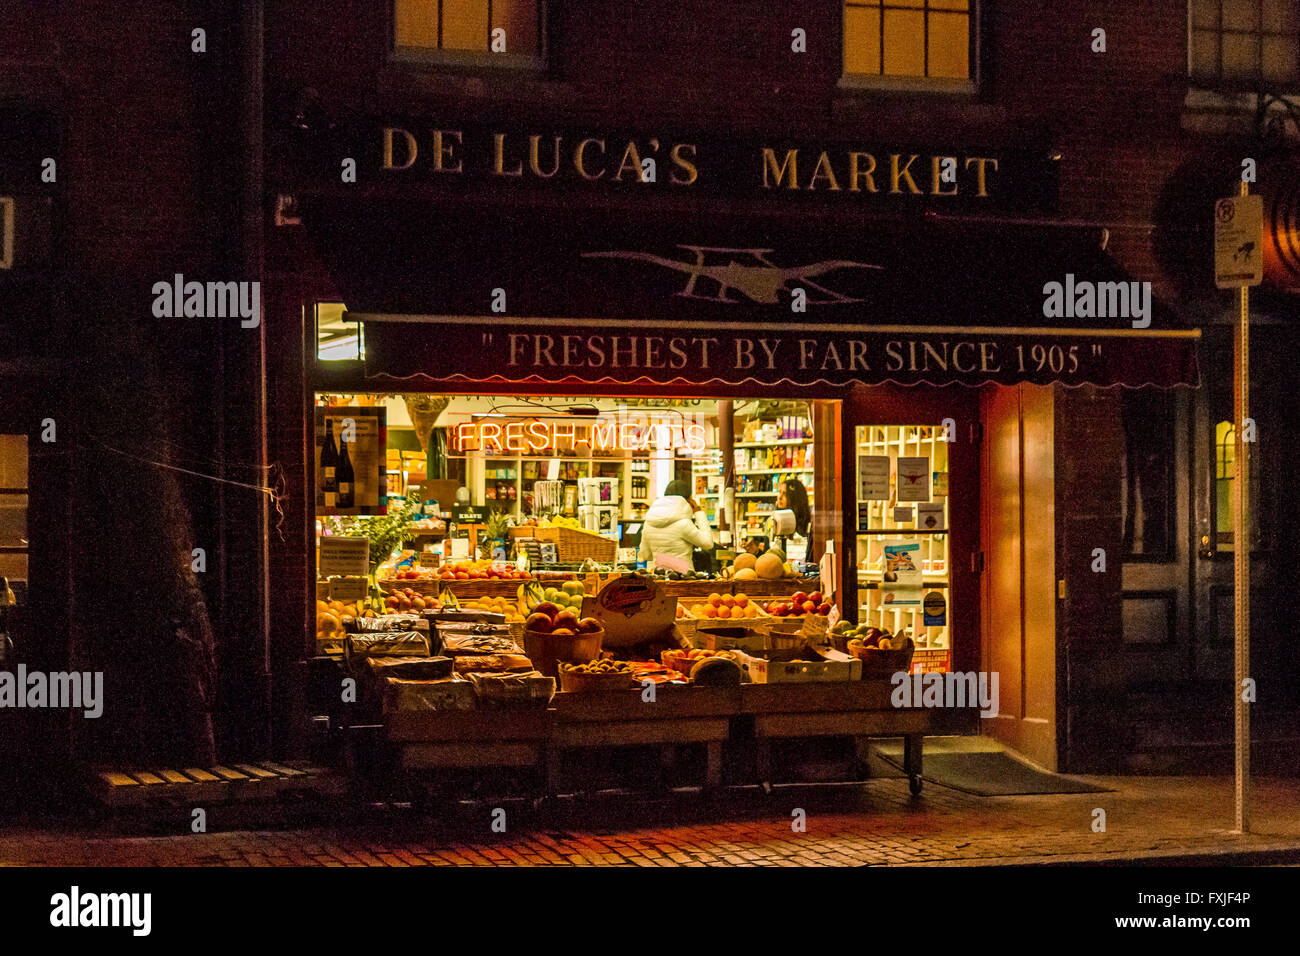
point(920, 542)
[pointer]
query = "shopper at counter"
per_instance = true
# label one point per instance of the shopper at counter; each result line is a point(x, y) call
point(675, 525)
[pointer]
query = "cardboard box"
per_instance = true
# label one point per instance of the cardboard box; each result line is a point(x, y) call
point(420, 695)
point(837, 667)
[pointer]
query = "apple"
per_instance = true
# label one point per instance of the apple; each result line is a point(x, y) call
point(823, 608)
point(799, 598)
point(816, 597)
point(808, 607)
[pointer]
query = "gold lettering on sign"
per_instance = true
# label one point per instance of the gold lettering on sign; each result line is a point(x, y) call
point(578, 156)
point(684, 164)
point(979, 171)
point(896, 174)
point(824, 171)
point(411, 149)
point(534, 159)
point(936, 188)
point(791, 163)
point(441, 152)
point(631, 160)
point(868, 173)
point(499, 158)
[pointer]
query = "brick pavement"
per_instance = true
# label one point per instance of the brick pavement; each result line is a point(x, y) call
point(875, 823)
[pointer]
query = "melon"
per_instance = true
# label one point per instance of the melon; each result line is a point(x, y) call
point(744, 560)
point(769, 566)
point(776, 551)
point(746, 574)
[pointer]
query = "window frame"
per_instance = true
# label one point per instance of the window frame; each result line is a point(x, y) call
point(24, 492)
point(1222, 84)
point(472, 61)
point(922, 84)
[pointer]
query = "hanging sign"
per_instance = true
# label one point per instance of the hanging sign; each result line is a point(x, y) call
point(929, 516)
point(343, 556)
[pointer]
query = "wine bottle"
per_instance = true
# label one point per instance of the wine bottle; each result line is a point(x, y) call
point(329, 460)
point(346, 479)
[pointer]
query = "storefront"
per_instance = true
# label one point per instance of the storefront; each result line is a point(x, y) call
point(538, 345)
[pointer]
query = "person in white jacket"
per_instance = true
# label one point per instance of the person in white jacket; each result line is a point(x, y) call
point(675, 525)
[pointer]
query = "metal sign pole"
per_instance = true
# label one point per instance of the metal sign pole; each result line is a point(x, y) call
point(1241, 542)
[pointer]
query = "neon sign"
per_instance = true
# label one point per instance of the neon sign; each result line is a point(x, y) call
point(538, 437)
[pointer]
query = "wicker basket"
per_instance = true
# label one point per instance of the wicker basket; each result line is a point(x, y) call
point(696, 589)
point(575, 545)
point(477, 588)
point(572, 682)
point(425, 587)
point(877, 664)
point(547, 651)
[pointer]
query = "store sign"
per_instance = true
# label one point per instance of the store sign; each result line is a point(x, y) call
point(535, 437)
point(448, 154)
point(514, 351)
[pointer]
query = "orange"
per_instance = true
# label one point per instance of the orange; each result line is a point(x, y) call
point(708, 610)
point(728, 601)
point(715, 598)
point(724, 611)
point(742, 600)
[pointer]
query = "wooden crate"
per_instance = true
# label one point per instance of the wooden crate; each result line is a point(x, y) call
point(227, 783)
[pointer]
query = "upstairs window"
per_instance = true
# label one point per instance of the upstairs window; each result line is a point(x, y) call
point(909, 42)
point(464, 32)
point(1245, 44)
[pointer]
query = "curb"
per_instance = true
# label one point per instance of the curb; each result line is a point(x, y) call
point(1273, 854)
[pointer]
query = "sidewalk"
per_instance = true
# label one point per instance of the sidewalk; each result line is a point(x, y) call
point(1148, 819)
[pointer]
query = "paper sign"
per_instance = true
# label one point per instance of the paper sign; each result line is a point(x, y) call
point(553, 470)
point(903, 515)
point(459, 548)
point(348, 589)
point(348, 557)
point(1238, 242)
point(864, 516)
point(940, 489)
point(929, 516)
point(901, 584)
point(470, 514)
point(873, 477)
point(913, 479)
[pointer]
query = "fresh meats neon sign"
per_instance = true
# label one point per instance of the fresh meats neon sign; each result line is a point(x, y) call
point(536, 437)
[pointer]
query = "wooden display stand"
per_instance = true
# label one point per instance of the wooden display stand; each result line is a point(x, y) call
point(472, 738)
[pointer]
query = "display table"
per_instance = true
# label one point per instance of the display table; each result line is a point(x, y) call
point(471, 738)
point(677, 715)
point(843, 709)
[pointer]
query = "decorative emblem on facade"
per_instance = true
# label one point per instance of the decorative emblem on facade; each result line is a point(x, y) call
point(761, 282)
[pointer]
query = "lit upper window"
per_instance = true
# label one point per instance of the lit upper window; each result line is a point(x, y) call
point(484, 32)
point(1246, 43)
point(908, 40)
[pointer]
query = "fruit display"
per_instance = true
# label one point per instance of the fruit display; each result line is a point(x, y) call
point(800, 603)
point(663, 574)
point(771, 565)
point(548, 618)
point(405, 599)
point(569, 594)
point(333, 617)
point(868, 635)
point(726, 607)
point(683, 661)
point(605, 666)
point(483, 570)
point(496, 605)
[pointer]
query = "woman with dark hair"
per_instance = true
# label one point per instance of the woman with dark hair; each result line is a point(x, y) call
point(675, 525)
point(793, 496)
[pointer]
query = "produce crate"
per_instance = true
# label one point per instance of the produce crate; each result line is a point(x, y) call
point(424, 587)
point(763, 671)
point(477, 588)
point(697, 589)
point(579, 545)
point(775, 588)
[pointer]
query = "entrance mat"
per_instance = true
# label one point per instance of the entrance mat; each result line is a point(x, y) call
point(986, 773)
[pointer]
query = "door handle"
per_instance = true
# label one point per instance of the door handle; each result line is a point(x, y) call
point(1206, 550)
